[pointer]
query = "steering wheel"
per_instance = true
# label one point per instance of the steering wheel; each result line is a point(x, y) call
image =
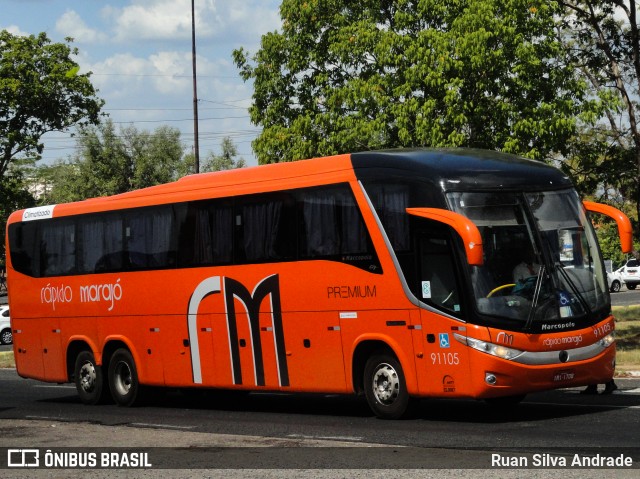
point(500, 288)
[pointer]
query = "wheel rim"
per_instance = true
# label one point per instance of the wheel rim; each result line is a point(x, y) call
point(88, 377)
point(122, 378)
point(386, 384)
point(7, 337)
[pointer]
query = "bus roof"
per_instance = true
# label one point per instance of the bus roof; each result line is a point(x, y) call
point(461, 169)
point(445, 168)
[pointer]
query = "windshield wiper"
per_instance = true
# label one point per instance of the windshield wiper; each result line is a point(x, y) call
point(536, 296)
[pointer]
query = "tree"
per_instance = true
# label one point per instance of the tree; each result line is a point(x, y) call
point(14, 195)
point(356, 75)
point(603, 41)
point(224, 161)
point(40, 91)
point(109, 162)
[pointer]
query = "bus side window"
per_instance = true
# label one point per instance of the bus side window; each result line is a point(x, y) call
point(101, 246)
point(149, 238)
point(266, 226)
point(57, 248)
point(331, 223)
point(25, 254)
point(205, 233)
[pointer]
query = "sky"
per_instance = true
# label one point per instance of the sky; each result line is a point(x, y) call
point(139, 53)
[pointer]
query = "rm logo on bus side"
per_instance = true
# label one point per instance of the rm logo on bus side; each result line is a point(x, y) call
point(232, 290)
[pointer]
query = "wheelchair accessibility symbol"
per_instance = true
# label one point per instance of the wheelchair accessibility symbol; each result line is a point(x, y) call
point(565, 300)
point(444, 340)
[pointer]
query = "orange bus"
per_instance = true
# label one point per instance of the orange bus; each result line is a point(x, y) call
point(394, 274)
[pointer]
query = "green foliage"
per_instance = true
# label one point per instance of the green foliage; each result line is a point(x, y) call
point(348, 76)
point(601, 39)
point(224, 161)
point(14, 195)
point(111, 162)
point(40, 91)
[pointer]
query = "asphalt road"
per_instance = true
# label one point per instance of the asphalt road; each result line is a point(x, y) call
point(626, 297)
point(445, 433)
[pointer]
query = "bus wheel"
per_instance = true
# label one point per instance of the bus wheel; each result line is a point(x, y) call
point(385, 388)
point(123, 378)
point(88, 379)
point(6, 337)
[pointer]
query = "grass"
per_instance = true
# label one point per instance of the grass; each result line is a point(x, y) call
point(6, 359)
point(627, 341)
point(627, 338)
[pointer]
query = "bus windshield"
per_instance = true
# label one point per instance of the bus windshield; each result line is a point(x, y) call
point(542, 266)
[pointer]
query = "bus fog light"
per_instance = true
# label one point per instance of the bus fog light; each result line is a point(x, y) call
point(490, 379)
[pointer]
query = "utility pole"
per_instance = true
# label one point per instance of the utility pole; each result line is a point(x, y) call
point(196, 147)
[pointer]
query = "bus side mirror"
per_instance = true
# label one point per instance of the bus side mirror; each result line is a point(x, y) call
point(467, 230)
point(624, 225)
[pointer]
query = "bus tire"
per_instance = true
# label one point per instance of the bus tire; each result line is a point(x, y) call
point(123, 378)
point(385, 387)
point(89, 379)
point(6, 337)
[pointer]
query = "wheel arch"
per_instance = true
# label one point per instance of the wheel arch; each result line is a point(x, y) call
point(371, 346)
point(76, 346)
point(112, 345)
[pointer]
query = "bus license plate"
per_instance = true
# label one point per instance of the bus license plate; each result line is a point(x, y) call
point(564, 375)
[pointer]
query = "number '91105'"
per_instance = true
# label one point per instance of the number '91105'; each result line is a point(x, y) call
point(450, 359)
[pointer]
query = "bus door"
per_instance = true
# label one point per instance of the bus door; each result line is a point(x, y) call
point(439, 287)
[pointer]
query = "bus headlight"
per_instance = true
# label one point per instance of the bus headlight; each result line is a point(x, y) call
point(608, 340)
point(494, 349)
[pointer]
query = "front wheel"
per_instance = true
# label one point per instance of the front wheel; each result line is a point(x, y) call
point(385, 387)
point(89, 380)
point(615, 286)
point(123, 378)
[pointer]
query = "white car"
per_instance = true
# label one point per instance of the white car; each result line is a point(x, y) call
point(630, 273)
point(615, 281)
point(6, 337)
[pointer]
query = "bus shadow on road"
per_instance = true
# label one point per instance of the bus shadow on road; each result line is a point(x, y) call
point(536, 407)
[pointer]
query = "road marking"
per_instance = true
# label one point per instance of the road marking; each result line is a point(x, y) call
point(159, 426)
point(326, 438)
point(63, 386)
point(610, 406)
point(617, 392)
point(47, 418)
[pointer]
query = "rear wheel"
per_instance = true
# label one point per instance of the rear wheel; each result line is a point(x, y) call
point(89, 379)
point(631, 286)
point(385, 387)
point(123, 378)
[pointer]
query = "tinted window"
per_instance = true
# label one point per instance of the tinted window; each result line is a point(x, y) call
point(101, 243)
point(311, 223)
point(205, 233)
point(149, 238)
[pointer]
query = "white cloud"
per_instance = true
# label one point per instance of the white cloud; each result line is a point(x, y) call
point(231, 21)
point(15, 30)
point(70, 24)
point(155, 19)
